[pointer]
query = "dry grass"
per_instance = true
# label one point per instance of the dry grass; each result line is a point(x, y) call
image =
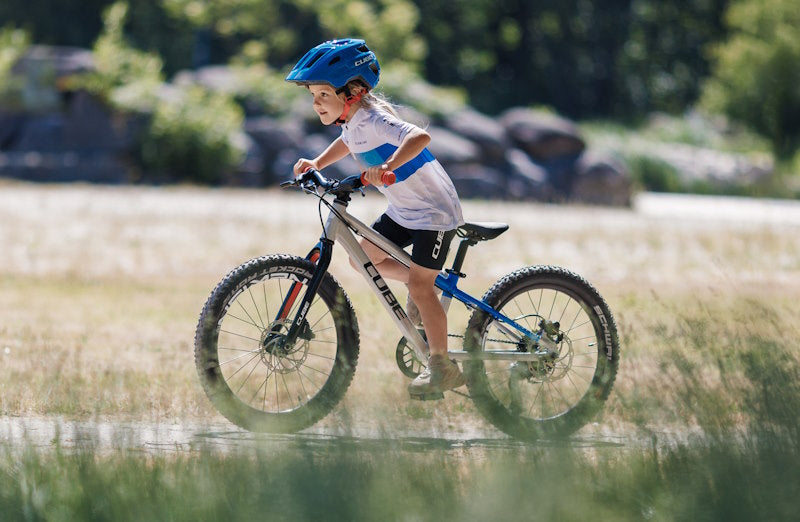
point(100, 288)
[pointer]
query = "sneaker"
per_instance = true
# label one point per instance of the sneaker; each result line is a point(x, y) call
point(441, 374)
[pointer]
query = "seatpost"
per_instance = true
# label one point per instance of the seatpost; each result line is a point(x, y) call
point(458, 262)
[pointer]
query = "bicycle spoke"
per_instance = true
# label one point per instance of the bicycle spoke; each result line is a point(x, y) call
point(288, 393)
point(560, 317)
point(264, 385)
point(530, 410)
point(583, 323)
point(309, 379)
point(277, 397)
point(522, 314)
point(260, 319)
point(244, 321)
point(243, 366)
point(246, 378)
point(266, 305)
point(240, 335)
point(302, 386)
point(237, 349)
point(252, 321)
point(240, 356)
point(316, 370)
point(322, 356)
point(574, 319)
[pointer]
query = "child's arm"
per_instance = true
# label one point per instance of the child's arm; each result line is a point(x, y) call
point(335, 151)
point(413, 143)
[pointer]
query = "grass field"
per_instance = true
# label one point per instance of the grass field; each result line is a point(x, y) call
point(100, 288)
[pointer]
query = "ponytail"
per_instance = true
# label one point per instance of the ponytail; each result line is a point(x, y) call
point(371, 100)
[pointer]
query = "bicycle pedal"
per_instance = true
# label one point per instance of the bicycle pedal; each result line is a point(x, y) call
point(433, 396)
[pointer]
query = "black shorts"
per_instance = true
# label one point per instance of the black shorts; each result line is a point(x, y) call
point(429, 246)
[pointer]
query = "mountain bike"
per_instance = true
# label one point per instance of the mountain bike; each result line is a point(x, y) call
point(277, 341)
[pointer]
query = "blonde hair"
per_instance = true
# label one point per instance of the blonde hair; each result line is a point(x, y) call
point(371, 100)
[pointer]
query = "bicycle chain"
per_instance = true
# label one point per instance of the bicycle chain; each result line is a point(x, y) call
point(504, 341)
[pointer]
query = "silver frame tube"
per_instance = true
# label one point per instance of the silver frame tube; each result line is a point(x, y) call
point(338, 231)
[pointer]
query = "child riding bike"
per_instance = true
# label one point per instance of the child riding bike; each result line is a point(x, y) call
point(423, 207)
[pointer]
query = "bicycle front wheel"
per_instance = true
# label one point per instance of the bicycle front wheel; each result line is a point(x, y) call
point(559, 393)
point(254, 378)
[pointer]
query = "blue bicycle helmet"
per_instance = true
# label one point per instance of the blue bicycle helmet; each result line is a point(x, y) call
point(337, 62)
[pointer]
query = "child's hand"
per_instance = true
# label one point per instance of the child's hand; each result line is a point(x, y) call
point(373, 174)
point(303, 165)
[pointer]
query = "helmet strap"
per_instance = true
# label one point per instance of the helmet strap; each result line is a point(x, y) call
point(349, 101)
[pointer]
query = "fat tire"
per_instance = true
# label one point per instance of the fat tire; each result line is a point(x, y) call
point(206, 349)
point(561, 280)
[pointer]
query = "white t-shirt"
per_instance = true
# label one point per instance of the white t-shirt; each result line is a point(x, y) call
point(423, 197)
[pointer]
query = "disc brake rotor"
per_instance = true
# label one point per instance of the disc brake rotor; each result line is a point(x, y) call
point(276, 355)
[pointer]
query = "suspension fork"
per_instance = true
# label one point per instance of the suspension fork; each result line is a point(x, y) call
point(294, 290)
point(323, 253)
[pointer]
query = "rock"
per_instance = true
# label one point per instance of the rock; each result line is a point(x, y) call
point(219, 78)
point(526, 179)
point(250, 172)
point(41, 133)
point(450, 148)
point(61, 61)
point(89, 125)
point(602, 180)
point(411, 115)
point(313, 146)
point(10, 125)
point(542, 135)
point(718, 168)
point(60, 167)
point(487, 133)
point(478, 181)
point(273, 135)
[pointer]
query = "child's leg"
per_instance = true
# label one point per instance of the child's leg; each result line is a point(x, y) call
point(388, 268)
point(434, 319)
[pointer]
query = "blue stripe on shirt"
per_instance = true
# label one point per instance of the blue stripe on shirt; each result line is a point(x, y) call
point(380, 154)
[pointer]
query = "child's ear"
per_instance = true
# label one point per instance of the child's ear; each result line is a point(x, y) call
point(356, 87)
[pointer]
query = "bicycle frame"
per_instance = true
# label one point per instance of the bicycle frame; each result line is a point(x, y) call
point(342, 227)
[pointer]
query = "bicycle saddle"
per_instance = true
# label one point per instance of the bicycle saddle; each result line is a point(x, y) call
point(482, 231)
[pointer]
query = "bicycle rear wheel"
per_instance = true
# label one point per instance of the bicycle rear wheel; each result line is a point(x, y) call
point(552, 396)
point(248, 373)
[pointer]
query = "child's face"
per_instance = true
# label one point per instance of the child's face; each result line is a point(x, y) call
point(327, 104)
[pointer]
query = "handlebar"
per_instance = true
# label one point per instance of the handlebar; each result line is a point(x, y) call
point(312, 179)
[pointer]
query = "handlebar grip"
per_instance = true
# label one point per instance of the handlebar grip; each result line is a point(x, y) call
point(387, 178)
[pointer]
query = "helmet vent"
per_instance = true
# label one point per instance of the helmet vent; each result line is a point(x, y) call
point(363, 49)
point(314, 59)
point(334, 60)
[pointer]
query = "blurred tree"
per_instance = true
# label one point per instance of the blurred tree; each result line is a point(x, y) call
point(121, 68)
point(388, 26)
point(56, 22)
point(584, 58)
point(662, 61)
point(287, 28)
point(13, 43)
point(756, 72)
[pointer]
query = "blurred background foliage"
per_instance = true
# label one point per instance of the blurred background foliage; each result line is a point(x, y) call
point(614, 60)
